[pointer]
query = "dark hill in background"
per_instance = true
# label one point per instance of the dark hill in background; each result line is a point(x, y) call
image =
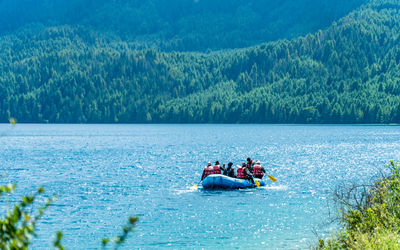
point(346, 73)
point(181, 25)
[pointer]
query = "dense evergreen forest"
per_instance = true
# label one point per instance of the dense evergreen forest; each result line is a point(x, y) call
point(181, 25)
point(62, 70)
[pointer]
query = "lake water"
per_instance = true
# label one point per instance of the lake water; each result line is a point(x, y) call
point(105, 173)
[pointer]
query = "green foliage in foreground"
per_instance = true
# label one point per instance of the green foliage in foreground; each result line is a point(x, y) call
point(375, 223)
point(121, 238)
point(17, 227)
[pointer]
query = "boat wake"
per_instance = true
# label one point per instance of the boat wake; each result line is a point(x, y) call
point(188, 190)
point(280, 188)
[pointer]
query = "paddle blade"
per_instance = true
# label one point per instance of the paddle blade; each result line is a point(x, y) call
point(257, 183)
point(273, 179)
point(194, 187)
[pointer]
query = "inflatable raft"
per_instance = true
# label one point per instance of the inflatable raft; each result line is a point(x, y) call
point(219, 181)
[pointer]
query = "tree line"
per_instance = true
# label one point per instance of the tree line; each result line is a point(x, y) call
point(347, 73)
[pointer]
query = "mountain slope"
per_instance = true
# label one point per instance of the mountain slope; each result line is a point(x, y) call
point(348, 73)
point(181, 25)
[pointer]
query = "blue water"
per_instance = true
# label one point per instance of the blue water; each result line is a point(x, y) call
point(105, 173)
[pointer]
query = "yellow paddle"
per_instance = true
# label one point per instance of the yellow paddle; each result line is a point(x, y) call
point(273, 179)
point(257, 183)
point(195, 186)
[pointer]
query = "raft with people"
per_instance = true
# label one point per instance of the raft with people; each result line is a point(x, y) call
point(249, 175)
point(219, 181)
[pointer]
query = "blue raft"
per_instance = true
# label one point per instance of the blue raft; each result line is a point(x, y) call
point(219, 181)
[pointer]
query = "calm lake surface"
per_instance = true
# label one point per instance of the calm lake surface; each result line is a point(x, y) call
point(105, 173)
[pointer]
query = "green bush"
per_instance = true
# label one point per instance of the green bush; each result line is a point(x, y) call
point(374, 224)
point(17, 227)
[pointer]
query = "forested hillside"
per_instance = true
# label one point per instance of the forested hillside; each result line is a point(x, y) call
point(346, 73)
point(181, 25)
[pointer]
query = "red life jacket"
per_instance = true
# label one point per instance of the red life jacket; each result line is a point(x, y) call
point(217, 169)
point(241, 174)
point(257, 170)
point(208, 170)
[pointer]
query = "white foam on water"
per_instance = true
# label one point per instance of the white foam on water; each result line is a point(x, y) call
point(281, 187)
point(188, 190)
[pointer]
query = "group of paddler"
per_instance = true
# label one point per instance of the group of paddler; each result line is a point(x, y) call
point(248, 171)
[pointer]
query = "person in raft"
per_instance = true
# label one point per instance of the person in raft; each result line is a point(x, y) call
point(244, 173)
point(250, 164)
point(230, 171)
point(258, 170)
point(217, 168)
point(207, 171)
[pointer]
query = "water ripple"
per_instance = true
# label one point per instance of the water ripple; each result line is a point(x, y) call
point(105, 173)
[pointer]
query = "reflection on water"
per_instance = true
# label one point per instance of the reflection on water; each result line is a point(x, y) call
point(105, 173)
